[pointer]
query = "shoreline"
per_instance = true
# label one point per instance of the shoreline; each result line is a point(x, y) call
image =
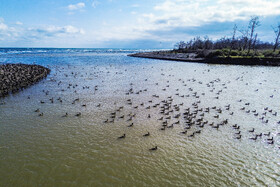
point(15, 77)
point(191, 57)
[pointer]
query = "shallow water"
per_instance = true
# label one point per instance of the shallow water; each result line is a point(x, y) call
point(52, 150)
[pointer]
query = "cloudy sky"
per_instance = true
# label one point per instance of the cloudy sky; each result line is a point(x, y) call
point(128, 23)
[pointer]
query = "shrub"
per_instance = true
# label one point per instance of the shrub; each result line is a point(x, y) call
point(215, 53)
point(234, 53)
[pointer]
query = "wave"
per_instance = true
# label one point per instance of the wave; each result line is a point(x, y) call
point(17, 51)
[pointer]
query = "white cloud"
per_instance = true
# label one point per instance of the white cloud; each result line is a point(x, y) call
point(135, 5)
point(76, 6)
point(94, 3)
point(199, 12)
point(19, 23)
point(52, 31)
point(8, 33)
point(3, 27)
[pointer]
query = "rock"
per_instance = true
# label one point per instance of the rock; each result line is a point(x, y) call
point(15, 77)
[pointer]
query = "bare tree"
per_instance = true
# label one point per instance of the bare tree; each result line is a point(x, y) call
point(277, 33)
point(233, 38)
point(253, 24)
point(181, 45)
point(254, 43)
point(244, 39)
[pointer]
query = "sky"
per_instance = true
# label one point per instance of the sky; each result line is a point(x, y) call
point(129, 23)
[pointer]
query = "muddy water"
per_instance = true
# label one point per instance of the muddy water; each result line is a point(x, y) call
point(111, 91)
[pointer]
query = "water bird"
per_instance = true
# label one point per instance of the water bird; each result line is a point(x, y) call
point(270, 139)
point(130, 125)
point(147, 134)
point(267, 134)
point(271, 142)
point(66, 114)
point(252, 130)
point(254, 138)
point(153, 148)
point(238, 137)
point(121, 137)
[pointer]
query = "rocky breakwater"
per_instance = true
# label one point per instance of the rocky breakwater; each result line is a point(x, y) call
point(15, 77)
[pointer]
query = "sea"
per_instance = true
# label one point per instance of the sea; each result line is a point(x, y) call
point(102, 118)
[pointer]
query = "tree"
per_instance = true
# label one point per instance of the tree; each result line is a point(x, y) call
point(233, 38)
point(253, 24)
point(181, 45)
point(244, 39)
point(277, 33)
point(254, 43)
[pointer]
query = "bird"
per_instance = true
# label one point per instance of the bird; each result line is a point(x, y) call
point(238, 137)
point(268, 134)
point(66, 114)
point(147, 134)
point(252, 130)
point(121, 137)
point(153, 148)
point(130, 125)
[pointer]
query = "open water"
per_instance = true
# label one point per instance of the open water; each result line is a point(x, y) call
point(109, 91)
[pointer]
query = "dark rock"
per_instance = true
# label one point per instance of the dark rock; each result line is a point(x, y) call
point(15, 77)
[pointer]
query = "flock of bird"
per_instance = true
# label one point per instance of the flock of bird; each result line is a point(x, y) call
point(174, 102)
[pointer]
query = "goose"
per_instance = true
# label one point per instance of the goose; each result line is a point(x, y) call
point(66, 114)
point(252, 130)
point(153, 148)
point(147, 134)
point(270, 139)
point(268, 134)
point(238, 137)
point(121, 137)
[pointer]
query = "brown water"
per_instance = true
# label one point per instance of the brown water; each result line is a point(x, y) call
point(52, 150)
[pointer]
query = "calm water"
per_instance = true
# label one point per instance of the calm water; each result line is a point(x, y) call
point(52, 150)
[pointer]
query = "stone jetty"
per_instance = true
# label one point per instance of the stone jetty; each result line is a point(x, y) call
point(15, 77)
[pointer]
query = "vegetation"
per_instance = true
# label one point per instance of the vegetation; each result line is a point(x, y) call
point(246, 45)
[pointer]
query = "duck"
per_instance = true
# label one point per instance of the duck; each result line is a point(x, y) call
point(270, 139)
point(147, 134)
point(184, 132)
point(254, 138)
point(66, 114)
point(130, 125)
point(122, 137)
point(238, 137)
point(153, 148)
point(252, 130)
point(271, 142)
point(267, 134)
point(191, 135)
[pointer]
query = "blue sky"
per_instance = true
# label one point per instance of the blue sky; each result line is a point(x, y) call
point(128, 23)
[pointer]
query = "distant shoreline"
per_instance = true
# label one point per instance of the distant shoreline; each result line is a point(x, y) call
point(14, 77)
point(192, 57)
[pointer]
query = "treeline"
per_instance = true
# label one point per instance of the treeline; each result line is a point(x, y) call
point(245, 41)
